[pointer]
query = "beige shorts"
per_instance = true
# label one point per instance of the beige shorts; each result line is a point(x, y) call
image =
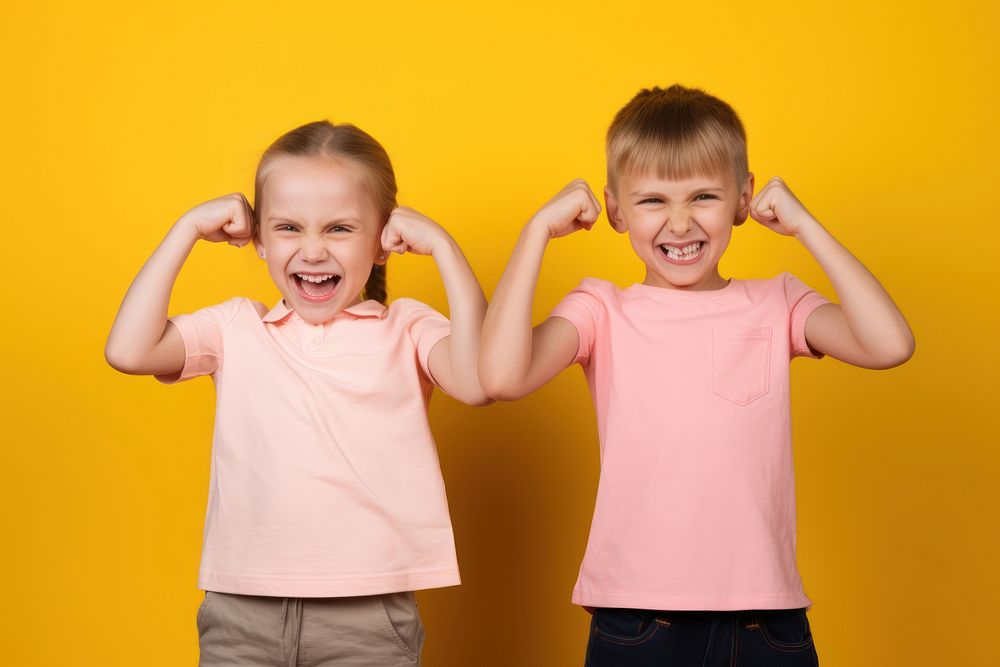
point(368, 631)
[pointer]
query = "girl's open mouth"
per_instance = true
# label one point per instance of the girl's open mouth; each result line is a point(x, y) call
point(688, 254)
point(316, 286)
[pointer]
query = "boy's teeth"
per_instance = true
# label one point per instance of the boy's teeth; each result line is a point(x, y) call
point(685, 252)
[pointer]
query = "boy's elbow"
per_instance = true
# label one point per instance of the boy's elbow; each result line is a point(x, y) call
point(470, 393)
point(904, 351)
point(476, 400)
point(502, 391)
point(504, 378)
point(490, 385)
point(495, 385)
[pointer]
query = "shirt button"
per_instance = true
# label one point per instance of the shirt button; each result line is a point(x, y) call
point(314, 342)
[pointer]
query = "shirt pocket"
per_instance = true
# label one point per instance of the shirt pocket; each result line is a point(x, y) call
point(741, 363)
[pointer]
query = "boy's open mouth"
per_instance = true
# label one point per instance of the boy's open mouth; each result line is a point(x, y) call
point(687, 254)
point(316, 286)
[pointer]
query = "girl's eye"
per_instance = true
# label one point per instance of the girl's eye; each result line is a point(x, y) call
point(286, 228)
point(339, 229)
point(650, 200)
point(705, 197)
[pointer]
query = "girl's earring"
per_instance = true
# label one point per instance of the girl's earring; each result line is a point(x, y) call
point(263, 254)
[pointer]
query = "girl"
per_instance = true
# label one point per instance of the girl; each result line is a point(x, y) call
point(326, 506)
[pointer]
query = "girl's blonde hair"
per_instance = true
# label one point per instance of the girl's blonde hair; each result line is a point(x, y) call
point(676, 133)
point(345, 142)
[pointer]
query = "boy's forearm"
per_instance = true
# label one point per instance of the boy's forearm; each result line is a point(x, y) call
point(873, 318)
point(142, 316)
point(466, 309)
point(507, 330)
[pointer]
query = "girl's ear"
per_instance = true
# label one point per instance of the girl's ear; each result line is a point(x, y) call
point(746, 196)
point(381, 256)
point(615, 216)
point(257, 245)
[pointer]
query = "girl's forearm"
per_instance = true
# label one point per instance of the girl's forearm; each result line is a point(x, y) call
point(507, 332)
point(142, 316)
point(873, 318)
point(466, 308)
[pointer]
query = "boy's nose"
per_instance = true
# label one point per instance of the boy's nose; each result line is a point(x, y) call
point(679, 221)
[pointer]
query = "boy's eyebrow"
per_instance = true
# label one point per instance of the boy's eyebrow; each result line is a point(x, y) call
point(658, 193)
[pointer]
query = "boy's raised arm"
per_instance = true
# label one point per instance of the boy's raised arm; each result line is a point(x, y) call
point(142, 342)
point(866, 329)
point(515, 358)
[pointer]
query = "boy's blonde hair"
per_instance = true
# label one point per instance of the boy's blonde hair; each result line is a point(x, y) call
point(676, 133)
point(344, 142)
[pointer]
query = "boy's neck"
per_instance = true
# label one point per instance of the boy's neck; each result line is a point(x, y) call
point(709, 283)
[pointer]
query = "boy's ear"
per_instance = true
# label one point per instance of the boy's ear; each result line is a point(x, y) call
point(614, 211)
point(746, 196)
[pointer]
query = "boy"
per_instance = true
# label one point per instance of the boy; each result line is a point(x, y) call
point(691, 555)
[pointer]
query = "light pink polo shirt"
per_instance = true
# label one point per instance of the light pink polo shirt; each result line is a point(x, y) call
point(696, 502)
point(324, 480)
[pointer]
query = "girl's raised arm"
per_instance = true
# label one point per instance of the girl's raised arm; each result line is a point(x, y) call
point(453, 360)
point(142, 341)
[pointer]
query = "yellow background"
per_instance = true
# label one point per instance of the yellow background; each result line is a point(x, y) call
point(118, 118)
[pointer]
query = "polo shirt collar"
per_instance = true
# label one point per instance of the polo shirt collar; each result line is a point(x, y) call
point(369, 309)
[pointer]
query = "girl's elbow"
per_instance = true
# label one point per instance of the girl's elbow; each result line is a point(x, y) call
point(125, 361)
point(895, 356)
point(117, 359)
point(125, 366)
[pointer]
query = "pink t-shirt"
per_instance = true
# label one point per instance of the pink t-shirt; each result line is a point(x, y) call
point(325, 479)
point(696, 502)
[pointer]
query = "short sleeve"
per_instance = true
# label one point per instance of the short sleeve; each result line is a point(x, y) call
point(582, 308)
point(426, 327)
point(802, 300)
point(202, 333)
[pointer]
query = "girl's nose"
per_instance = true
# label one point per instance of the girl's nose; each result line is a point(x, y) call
point(313, 250)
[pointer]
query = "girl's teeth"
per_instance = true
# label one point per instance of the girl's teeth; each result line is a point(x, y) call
point(314, 279)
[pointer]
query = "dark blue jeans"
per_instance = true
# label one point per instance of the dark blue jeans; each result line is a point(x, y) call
point(641, 638)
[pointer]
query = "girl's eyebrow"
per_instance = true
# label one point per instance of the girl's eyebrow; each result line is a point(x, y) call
point(336, 221)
